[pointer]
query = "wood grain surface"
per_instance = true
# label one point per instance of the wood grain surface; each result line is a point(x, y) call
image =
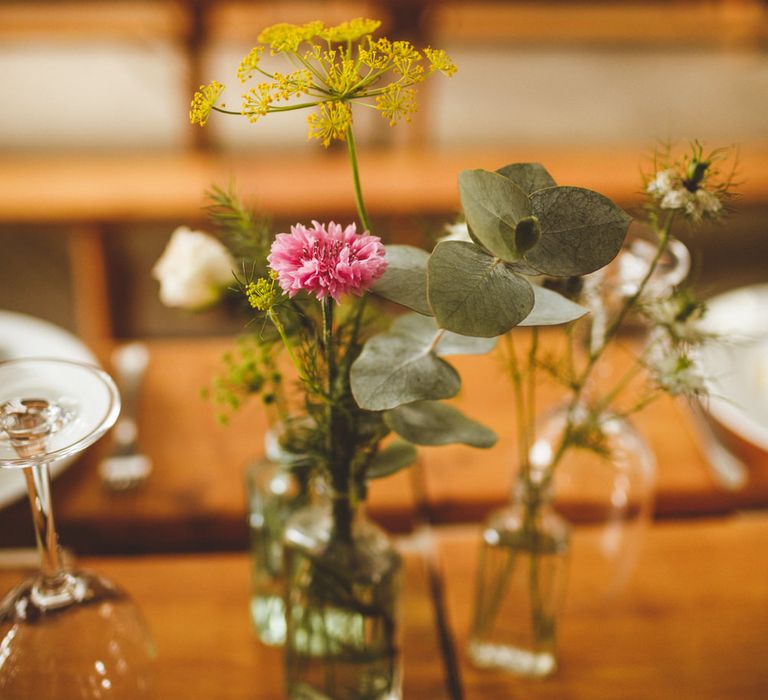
point(690, 623)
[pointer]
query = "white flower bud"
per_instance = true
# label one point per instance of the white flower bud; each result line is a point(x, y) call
point(193, 270)
point(678, 198)
point(664, 181)
point(708, 202)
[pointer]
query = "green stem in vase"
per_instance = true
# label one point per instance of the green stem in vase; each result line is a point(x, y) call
point(337, 440)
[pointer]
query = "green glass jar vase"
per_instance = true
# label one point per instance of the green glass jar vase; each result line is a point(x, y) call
point(277, 485)
point(343, 579)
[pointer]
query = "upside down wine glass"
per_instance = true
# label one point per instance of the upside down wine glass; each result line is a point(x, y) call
point(65, 634)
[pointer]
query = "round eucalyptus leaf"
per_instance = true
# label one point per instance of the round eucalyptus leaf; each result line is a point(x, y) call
point(493, 205)
point(405, 279)
point(473, 293)
point(527, 233)
point(551, 308)
point(529, 177)
point(425, 328)
point(581, 231)
point(393, 369)
point(398, 455)
point(435, 423)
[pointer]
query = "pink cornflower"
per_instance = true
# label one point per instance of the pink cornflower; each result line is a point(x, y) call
point(326, 261)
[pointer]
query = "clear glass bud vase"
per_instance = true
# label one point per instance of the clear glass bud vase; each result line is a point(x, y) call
point(604, 483)
point(277, 486)
point(608, 289)
point(521, 581)
point(343, 586)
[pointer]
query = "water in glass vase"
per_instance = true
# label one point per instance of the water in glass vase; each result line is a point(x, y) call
point(520, 586)
point(277, 487)
point(342, 641)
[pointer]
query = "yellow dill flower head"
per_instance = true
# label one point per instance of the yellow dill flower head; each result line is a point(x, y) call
point(250, 63)
point(404, 51)
point(353, 30)
point(397, 103)
point(376, 54)
point(439, 60)
point(203, 102)
point(343, 75)
point(261, 294)
point(288, 37)
point(330, 122)
point(292, 84)
point(257, 101)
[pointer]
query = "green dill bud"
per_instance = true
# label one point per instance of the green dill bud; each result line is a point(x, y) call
point(261, 294)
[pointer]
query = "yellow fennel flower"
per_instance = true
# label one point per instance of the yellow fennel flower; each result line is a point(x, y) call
point(353, 30)
point(204, 101)
point(438, 60)
point(397, 103)
point(288, 37)
point(330, 122)
point(249, 65)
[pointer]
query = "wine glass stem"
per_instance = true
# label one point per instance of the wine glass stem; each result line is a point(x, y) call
point(39, 492)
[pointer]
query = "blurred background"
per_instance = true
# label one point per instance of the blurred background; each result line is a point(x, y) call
point(98, 161)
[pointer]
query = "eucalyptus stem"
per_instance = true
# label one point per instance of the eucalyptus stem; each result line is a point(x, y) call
point(532, 364)
point(517, 387)
point(595, 355)
point(622, 384)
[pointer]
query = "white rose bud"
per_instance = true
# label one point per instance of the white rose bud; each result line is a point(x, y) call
point(193, 270)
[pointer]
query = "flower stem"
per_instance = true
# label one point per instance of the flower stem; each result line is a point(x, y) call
point(337, 441)
point(581, 381)
point(278, 324)
point(361, 211)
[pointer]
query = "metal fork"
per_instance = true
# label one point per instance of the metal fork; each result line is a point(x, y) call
point(126, 468)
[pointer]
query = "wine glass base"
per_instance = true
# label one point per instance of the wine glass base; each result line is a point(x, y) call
point(72, 637)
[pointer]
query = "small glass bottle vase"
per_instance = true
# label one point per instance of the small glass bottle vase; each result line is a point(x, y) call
point(277, 486)
point(343, 585)
point(521, 581)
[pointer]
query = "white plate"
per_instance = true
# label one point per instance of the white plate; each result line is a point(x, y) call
point(738, 365)
point(26, 336)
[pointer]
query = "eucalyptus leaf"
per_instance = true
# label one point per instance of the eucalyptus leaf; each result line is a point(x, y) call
point(396, 456)
point(405, 279)
point(551, 308)
point(529, 177)
point(473, 293)
point(581, 231)
point(493, 205)
point(424, 328)
point(435, 423)
point(393, 369)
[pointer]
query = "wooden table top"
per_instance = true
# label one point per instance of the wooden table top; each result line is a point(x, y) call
point(690, 624)
point(194, 499)
point(197, 608)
